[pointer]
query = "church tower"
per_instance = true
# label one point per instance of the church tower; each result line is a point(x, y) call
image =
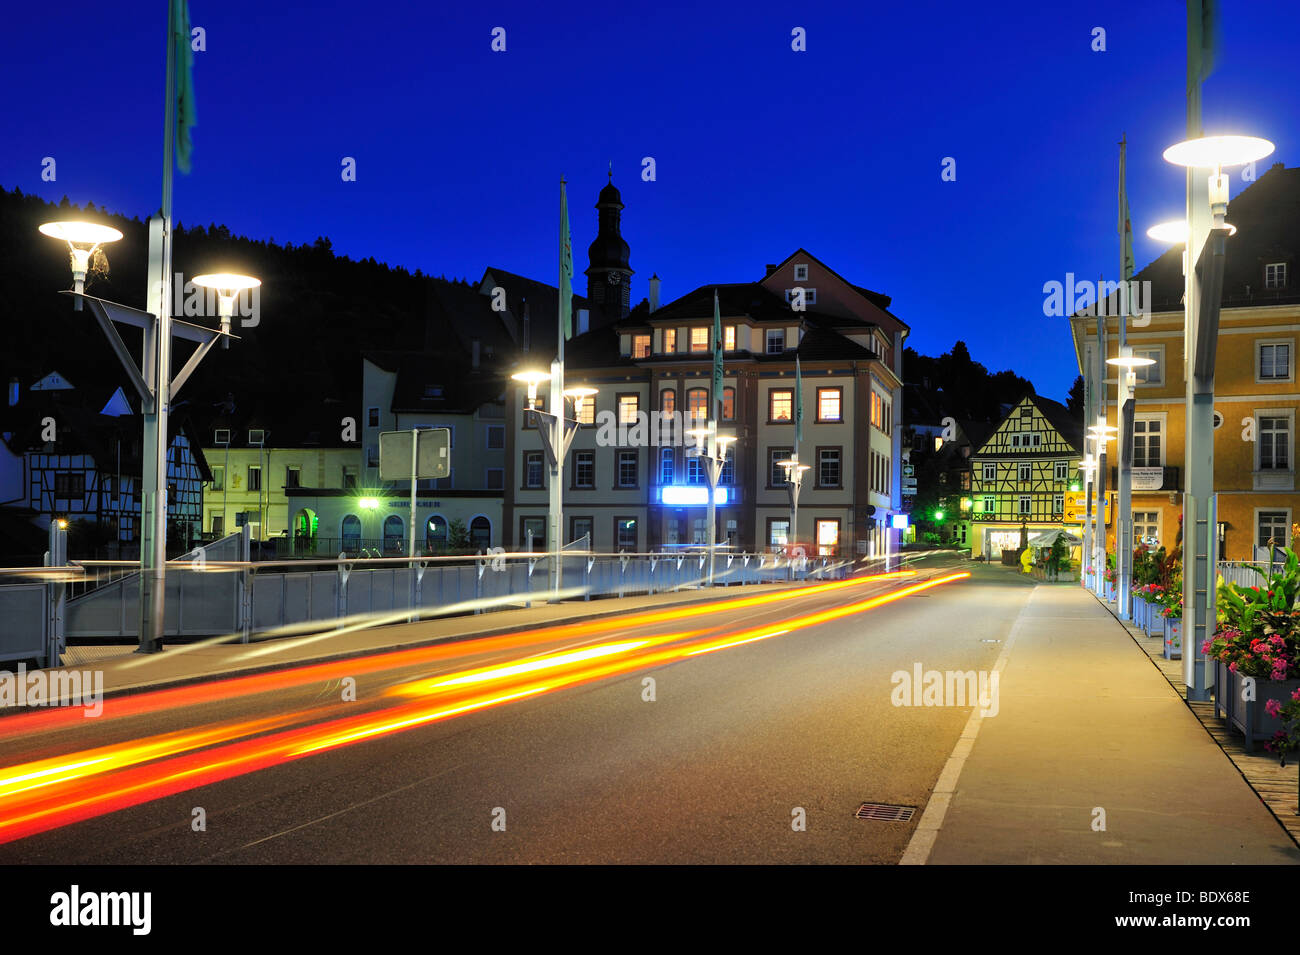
point(609, 279)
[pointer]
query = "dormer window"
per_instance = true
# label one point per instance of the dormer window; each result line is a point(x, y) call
point(670, 341)
point(801, 273)
point(1275, 275)
point(641, 346)
point(257, 437)
point(221, 437)
point(809, 295)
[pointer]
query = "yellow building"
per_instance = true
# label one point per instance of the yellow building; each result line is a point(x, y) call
point(1255, 381)
point(1021, 476)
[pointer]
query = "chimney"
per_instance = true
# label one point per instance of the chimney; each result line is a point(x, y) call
point(474, 354)
point(584, 321)
point(654, 293)
point(771, 267)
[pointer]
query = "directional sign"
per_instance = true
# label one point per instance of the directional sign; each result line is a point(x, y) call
point(432, 461)
point(1076, 507)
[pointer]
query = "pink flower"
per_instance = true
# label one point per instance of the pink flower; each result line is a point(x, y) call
point(1233, 666)
point(1273, 708)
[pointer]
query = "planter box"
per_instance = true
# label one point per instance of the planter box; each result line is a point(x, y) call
point(1249, 717)
point(1224, 699)
point(1173, 638)
point(1155, 622)
point(1107, 591)
point(1140, 611)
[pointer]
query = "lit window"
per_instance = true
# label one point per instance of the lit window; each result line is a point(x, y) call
point(641, 346)
point(829, 404)
point(728, 404)
point(668, 401)
point(778, 533)
point(697, 403)
point(729, 338)
point(628, 406)
point(699, 339)
point(670, 340)
point(828, 538)
point(780, 405)
point(586, 409)
point(666, 462)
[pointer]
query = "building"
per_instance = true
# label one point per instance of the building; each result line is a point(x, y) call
point(64, 460)
point(1256, 394)
point(631, 483)
point(1021, 476)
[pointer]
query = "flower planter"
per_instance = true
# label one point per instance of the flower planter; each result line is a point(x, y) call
point(1140, 610)
point(1107, 591)
point(1173, 638)
point(1156, 624)
point(1249, 716)
point(1223, 696)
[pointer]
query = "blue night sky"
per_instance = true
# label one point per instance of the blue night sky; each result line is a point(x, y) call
point(759, 149)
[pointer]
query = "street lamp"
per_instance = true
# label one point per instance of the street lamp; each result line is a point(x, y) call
point(1203, 265)
point(794, 472)
point(1126, 364)
point(712, 447)
point(154, 384)
point(84, 240)
point(557, 433)
point(228, 286)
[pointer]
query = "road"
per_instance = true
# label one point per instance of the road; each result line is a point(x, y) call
point(543, 747)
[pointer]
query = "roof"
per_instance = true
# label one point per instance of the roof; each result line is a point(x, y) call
point(542, 303)
point(438, 383)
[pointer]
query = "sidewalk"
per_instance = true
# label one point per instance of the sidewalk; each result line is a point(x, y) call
point(1088, 733)
point(179, 663)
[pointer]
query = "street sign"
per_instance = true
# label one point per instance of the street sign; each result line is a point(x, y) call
point(1076, 507)
point(432, 461)
point(909, 470)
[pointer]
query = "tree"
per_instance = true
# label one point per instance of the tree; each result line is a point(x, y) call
point(457, 535)
point(1074, 400)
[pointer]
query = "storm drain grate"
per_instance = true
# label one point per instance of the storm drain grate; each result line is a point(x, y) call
point(883, 812)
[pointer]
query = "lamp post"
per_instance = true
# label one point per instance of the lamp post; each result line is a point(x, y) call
point(1088, 465)
point(794, 472)
point(712, 447)
point(156, 388)
point(1203, 263)
point(1101, 434)
point(556, 432)
point(1126, 364)
point(84, 241)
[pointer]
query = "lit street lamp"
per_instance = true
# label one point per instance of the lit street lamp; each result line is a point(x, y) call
point(794, 472)
point(712, 447)
point(84, 240)
point(228, 287)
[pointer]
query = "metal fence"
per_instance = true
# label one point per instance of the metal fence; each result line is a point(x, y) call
point(216, 590)
point(1242, 572)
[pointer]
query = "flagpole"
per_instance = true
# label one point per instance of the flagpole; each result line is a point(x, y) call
point(559, 444)
point(1127, 404)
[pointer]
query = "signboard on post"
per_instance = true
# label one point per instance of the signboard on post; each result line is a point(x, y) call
point(1076, 507)
point(433, 458)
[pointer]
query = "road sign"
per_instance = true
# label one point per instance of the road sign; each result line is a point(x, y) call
point(1076, 507)
point(432, 461)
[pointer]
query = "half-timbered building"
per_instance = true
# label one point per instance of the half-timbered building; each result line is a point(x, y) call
point(1022, 474)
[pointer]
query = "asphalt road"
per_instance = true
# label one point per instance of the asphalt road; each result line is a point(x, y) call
point(711, 771)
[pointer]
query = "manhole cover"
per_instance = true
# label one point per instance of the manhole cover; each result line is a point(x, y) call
point(883, 812)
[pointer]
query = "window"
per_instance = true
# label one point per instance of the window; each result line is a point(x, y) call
point(627, 468)
point(495, 479)
point(292, 477)
point(580, 527)
point(776, 475)
point(699, 339)
point(694, 470)
point(585, 409)
point(641, 346)
point(349, 477)
point(990, 504)
point(668, 401)
point(625, 533)
point(221, 436)
point(828, 467)
point(1274, 443)
point(780, 404)
point(372, 456)
point(729, 338)
point(1025, 473)
point(1023, 504)
point(480, 532)
point(254, 478)
point(809, 295)
point(1058, 503)
point(1146, 527)
point(1150, 374)
point(496, 437)
point(628, 406)
point(828, 537)
point(435, 533)
point(218, 479)
point(257, 437)
point(830, 404)
point(670, 340)
point(1146, 442)
point(1273, 527)
point(69, 484)
point(666, 466)
point(1061, 472)
point(532, 533)
point(533, 469)
point(394, 533)
point(1274, 361)
point(990, 472)
point(775, 341)
point(372, 417)
point(778, 532)
point(530, 419)
point(878, 413)
point(728, 404)
point(1275, 275)
point(584, 469)
point(697, 403)
point(801, 273)
point(351, 533)
point(728, 473)
point(219, 524)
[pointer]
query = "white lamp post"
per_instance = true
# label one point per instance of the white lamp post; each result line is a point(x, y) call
point(228, 286)
point(794, 472)
point(712, 447)
point(84, 241)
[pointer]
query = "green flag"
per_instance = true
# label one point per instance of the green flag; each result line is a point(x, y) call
point(186, 118)
point(566, 271)
point(1202, 39)
point(798, 401)
point(1125, 221)
point(717, 358)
